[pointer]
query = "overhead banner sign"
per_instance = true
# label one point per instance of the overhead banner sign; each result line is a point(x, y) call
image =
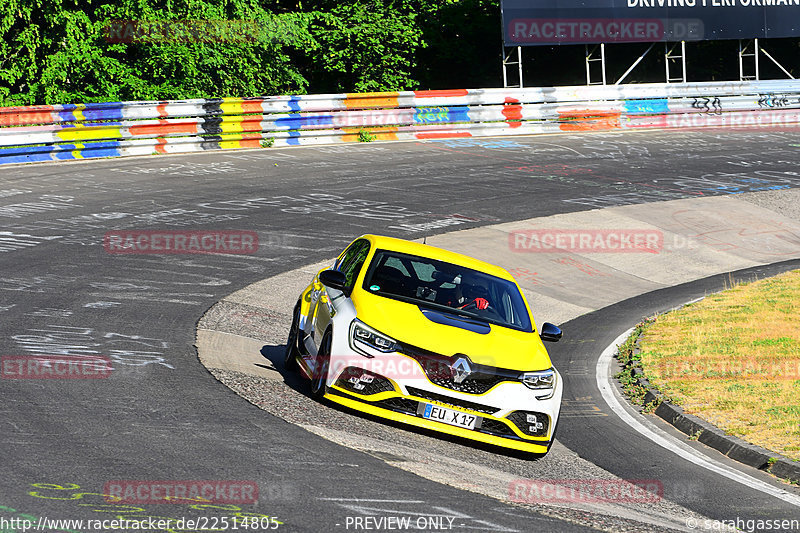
point(549, 22)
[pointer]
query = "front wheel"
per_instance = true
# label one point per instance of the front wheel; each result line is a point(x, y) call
point(319, 381)
point(291, 353)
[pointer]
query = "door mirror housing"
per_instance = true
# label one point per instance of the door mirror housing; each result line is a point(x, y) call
point(550, 332)
point(335, 280)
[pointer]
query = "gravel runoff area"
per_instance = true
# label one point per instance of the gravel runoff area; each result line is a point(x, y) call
point(452, 463)
point(472, 467)
point(784, 202)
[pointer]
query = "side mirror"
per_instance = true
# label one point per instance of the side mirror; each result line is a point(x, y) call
point(334, 279)
point(550, 332)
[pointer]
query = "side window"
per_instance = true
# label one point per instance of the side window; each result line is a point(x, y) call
point(352, 261)
point(423, 271)
point(346, 255)
point(395, 262)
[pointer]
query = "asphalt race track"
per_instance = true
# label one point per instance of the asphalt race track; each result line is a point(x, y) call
point(606, 441)
point(161, 416)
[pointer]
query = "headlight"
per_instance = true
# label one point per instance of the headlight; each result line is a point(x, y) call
point(542, 380)
point(366, 340)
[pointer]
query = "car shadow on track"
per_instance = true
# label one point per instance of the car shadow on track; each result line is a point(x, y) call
point(293, 380)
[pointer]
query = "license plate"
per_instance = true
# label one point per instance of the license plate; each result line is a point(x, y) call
point(449, 416)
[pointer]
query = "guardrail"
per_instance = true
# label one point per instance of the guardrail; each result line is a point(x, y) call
point(77, 131)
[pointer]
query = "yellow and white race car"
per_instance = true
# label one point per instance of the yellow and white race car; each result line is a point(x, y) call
point(430, 338)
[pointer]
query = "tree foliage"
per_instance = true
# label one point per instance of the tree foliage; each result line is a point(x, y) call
point(56, 51)
point(364, 45)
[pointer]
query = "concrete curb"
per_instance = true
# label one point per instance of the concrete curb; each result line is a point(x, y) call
point(712, 436)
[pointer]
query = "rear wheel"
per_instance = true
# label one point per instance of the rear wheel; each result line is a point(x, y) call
point(292, 351)
point(319, 381)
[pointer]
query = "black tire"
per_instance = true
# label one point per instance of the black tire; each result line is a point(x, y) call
point(319, 381)
point(292, 352)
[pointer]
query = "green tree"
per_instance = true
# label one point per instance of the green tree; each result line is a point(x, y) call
point(364, 46)
point(57, 51)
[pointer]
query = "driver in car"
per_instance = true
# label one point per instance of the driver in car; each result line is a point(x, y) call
point(470, 295)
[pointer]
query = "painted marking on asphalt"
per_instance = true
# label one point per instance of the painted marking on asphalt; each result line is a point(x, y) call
point(369, 500)
point(668, 442)
point(580, 407)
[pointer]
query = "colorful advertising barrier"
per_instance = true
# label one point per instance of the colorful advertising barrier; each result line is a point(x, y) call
point(111, 129)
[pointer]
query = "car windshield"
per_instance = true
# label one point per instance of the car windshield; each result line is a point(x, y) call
point(447, 288)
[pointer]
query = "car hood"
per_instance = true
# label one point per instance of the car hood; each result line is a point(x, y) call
point(407, 323)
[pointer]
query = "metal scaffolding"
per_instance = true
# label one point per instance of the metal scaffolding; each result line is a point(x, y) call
point(591, 59)
point(509, 62)
point(751, 49)
point(674, 63)
point(671, 56)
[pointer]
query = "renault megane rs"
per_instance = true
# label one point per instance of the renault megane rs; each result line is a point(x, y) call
point(430, 338)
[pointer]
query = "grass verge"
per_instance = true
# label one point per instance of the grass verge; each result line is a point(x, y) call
point(732, 359)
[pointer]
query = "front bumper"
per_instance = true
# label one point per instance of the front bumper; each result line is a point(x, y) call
point(395, 387)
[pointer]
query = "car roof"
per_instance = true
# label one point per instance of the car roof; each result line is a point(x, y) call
point(426, 250)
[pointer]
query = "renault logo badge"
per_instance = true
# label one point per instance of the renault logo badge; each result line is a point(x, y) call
point(460, 370)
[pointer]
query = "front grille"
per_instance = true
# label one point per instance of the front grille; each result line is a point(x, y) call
point(471, 385)
point(363, 382)
point(453, 402)
point(439, 370)
point(401, 405)
point(535, 426)
point(495, 427)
